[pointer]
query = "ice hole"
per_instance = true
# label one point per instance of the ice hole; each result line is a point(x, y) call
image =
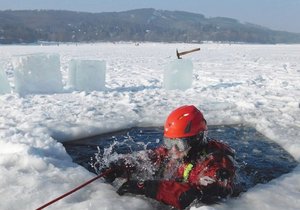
point(260, 159)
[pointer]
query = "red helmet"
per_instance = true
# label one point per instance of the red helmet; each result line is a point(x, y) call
point(184, 121)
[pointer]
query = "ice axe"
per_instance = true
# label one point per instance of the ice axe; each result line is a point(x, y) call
point(185, 52)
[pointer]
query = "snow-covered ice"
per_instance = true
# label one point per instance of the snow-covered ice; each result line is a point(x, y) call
point(178, 74)
point(86, 75)
point(256, 85)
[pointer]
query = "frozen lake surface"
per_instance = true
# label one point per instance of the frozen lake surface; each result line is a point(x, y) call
point(252, 85)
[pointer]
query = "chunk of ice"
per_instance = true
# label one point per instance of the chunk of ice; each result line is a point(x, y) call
point(4, 85)
point(37, 73)
point(87, 75)
point(178, 74)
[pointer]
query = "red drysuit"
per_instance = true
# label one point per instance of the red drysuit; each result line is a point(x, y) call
point(205, 174)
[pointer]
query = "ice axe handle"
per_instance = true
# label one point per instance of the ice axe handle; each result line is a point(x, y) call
point(185, 52)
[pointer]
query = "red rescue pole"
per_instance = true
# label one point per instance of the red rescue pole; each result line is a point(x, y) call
point(75, 189)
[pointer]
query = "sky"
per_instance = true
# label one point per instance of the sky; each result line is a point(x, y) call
point(275, 14)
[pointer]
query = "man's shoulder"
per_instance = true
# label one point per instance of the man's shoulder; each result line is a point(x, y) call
point(219, 146)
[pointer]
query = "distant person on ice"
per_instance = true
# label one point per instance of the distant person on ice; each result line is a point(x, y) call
point(190, 167)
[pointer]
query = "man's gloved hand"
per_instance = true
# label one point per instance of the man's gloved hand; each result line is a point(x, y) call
point(213, 193)
point(115, 172)
point(132, 186)
point(223, 174)
point(191, 196)
point(118, 169)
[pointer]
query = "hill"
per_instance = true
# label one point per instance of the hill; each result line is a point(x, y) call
point(30, 26)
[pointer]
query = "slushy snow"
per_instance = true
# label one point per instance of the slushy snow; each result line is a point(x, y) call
point(256, 85)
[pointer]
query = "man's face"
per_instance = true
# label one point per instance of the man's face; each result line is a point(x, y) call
point(176, 153)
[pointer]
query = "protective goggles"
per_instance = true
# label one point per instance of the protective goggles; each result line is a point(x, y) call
point(183, 144)
point(180, 144)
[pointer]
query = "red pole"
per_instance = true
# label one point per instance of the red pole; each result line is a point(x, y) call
point(75, 189)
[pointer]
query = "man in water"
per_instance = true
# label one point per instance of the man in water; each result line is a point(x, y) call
point(191, 167)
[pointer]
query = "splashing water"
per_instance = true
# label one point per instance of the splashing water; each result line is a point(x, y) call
point(144, 169)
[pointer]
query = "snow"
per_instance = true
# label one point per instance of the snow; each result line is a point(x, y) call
point(86, 75)
point(257, 85)
point(178, 74)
